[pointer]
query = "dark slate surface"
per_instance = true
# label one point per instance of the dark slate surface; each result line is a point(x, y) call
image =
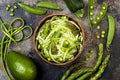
point(49, 72)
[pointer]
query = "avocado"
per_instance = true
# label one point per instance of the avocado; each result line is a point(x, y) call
point(21, 67)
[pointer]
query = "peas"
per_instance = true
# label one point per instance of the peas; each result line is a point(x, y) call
point(102, 36)
point(100, 15)
point(98, 37)
point(11, 14)
point(31, 9)
point(111, 31)
point(90, 55)
point(15, 7)
point(11, 9)
point(98, 27)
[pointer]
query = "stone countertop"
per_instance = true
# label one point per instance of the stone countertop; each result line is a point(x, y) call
point(49, 72)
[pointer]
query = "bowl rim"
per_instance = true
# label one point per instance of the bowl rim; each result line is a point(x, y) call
point(39, 25)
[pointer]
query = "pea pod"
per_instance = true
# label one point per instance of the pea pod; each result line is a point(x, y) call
point(90, 10)
point(111, 31)
point(31, 9)
point(49, 5)
point(101, 14)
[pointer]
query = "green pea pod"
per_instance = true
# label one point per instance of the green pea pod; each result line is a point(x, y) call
point(31, 9)
point(49, 5)
point(101, 14)
point(111, 31)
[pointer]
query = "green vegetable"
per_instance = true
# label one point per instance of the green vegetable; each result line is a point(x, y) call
point(31, 9)
point(49, 5)
point(20, 66)
point(98, 37)
point(75, 6)
point(98, 27)
point(102, 36)
point(15, 7)
point(11, 14)
point(78, 73)
point(111, 31)
point(9, 33)
point(9, 5)
point(101, 14)
point(7, 8)
point(103, 32)
point(100, 55)
point(90, 10)
point(12, 10)
point(80, 13)
point(84, 76)
point(66, 74)
point(59, 39)
point(101, 68)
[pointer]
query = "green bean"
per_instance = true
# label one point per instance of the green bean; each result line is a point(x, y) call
point(100, 55)
point(49, 5)
point(31, 9)
point(69, 70)
point(101, 68)
point(111, 31)
point(78, 73)
point(2, 57)
point(101, 14)
point(84, 76)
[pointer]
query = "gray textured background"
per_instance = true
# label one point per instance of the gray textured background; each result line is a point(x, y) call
point(49, 72)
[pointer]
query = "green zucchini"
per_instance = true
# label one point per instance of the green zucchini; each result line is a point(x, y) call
point(74, 5)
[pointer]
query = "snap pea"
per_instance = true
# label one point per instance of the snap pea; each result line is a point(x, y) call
point(49, 5)
point(101, 68)
point(31, 9)
point(90, 10)
point(101, 14)
point(111, 31)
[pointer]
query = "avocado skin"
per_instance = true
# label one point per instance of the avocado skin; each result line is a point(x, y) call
point(21, 67)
